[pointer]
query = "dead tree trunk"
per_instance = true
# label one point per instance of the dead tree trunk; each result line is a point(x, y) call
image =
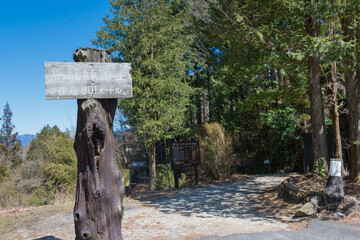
point(98, 207)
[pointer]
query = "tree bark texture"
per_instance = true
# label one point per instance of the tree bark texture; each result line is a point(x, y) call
point(152, 165)
point(98, 207)
point(335, 113)
point(334, 106)
point(315, 96)
point(352, 99)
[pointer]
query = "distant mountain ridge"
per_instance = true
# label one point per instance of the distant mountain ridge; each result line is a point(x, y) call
point(25, 139)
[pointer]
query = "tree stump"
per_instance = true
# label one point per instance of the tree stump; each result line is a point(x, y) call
point(98, 207)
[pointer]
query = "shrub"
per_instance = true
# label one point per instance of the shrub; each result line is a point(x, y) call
point(31, 169)
point(216, 151)
point(4, 171)
point(165, 177)
point(10, 196)
point(41, 196)
point(48, 175)
point(7, 194)
point(320, 167)
point(53, 152)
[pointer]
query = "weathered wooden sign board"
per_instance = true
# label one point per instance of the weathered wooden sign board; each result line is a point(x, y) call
point(185, 154)
point(98, 206)
point(82, 80)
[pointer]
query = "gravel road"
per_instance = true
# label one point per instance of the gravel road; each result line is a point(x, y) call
point(213, 210)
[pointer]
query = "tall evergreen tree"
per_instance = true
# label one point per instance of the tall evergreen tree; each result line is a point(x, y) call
point(260, 90)
point(315, 93)
point(349, 18)
point(37, 148)
point(152, 35)
point(10, 145)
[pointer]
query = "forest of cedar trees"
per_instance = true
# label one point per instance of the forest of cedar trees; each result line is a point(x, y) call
point(259, 83)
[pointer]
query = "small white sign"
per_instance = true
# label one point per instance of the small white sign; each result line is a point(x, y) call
point(267, 161)
point(335, 168)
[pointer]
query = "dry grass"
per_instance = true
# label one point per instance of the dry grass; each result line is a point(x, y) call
point(12, 219)
point(310, 182)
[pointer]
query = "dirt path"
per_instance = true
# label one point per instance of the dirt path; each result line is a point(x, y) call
point(218, 209)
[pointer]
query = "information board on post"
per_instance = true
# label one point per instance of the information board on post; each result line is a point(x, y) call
point(185, 154)
point(82, 80)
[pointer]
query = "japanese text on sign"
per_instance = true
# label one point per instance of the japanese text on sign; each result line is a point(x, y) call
point(185, 154)
point(65, 80)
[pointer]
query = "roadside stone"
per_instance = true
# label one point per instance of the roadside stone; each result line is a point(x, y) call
point(324, 216)
point(308, 209)
point(338, 214)
point(316, 200)
point(351, 205)
point(291, 193)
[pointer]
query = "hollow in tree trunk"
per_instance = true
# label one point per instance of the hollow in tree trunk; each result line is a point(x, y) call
point(98, 207)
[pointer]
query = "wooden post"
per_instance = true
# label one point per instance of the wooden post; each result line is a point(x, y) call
point(98, 207)
point(196, 171)
point(177, 174)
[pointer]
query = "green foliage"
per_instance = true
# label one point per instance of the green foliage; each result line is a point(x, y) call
point(153, 36)
point(165, 177)
point(31, 169)
point(216, 149)
point(52, 151)
point(10, 146)
point(4, 171)
point(320, 167)
point(282, 137)
point(37, 148)
point(49, 172)
point(258, 90)
point(59, 175)
point(241, 63)
point(41, 196)
point(60, 165)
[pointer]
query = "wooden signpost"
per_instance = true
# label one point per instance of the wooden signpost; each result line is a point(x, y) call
point(96, 83)
point(185, 154)
point(82, 80)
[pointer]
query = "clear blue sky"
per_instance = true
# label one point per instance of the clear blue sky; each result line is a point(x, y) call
point(34, 32)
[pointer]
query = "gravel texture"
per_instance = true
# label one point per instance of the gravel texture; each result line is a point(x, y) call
point(213, 210)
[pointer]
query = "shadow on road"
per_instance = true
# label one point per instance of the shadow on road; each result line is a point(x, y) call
point(232, 200)
point(48, 238)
